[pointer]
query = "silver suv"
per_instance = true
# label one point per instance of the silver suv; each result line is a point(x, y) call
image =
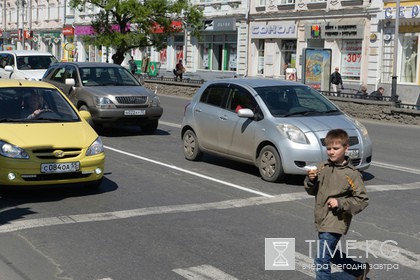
point(278, 126)
point(23, 64)
point(109, 92)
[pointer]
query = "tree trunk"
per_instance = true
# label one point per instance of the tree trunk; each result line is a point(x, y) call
point(118, 57)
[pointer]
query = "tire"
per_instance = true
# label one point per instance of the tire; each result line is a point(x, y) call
point(269, 165)
point(191, 147)
point(150, 127)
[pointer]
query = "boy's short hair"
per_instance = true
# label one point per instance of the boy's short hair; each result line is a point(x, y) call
point(337, 135)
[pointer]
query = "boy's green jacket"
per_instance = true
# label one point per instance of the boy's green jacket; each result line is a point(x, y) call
point(343, 182)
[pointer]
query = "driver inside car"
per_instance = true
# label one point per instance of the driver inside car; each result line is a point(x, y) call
point(32, 106)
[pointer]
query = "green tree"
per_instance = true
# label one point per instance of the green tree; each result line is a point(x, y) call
point(136, 20)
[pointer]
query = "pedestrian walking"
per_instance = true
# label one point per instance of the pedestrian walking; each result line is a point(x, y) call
point(133, 65)
point(339, 193)
point(336, 81)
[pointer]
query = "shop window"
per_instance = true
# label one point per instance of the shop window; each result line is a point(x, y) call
point(232, 53)
point(288, 51)
point(408, 71)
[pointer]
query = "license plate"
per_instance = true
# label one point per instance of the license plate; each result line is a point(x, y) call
point(135, 112)
point(60, 167)
point(353, 153)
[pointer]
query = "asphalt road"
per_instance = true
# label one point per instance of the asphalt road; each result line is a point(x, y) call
point(158, 216)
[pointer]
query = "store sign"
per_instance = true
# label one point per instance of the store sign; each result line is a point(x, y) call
point(405, 12)
point(50, 35)
point(68, 31)
point(220, 24)
point(351, 58)
point(335, 31)
point(273, 29)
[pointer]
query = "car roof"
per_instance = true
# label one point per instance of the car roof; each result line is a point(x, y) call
point(27, 53)
point(88, 64)
point(4, 83)
point(256, 82)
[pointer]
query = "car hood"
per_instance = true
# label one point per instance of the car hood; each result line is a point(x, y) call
point(320, 123)
point(117, 90)
point(33, 74)
point(48, 135)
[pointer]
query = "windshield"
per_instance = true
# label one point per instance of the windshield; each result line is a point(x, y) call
point(299, 100)
point(107, 76)
point(32, 104)
point(35, 62)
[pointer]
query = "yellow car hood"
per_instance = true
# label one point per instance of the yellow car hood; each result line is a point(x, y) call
point(75, 134)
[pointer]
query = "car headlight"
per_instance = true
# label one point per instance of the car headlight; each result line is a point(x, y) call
point(155, 101)
point(96, 148)
point(104, 103)
point(293, 133)
point(12, 151)
point(361, 128)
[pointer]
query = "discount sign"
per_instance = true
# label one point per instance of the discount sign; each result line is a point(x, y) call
point(351, 57)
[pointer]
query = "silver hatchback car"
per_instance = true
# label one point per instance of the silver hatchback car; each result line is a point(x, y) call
point(276, 125)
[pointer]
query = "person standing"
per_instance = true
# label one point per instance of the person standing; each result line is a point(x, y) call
point(133, 65)
point(336, 81)
point(339, 193)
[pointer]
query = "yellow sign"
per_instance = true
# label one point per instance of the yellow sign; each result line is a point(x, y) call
point(69, 47)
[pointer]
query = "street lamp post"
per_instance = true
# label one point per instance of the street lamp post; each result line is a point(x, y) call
point(394, 96)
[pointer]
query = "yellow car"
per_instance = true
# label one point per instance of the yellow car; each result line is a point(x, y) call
point(44, 140)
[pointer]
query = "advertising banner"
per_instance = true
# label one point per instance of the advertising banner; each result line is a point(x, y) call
point(317, 68)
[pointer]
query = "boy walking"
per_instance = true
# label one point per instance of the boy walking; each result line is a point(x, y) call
point(339, 193)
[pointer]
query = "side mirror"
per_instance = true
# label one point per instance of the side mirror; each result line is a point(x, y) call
point(8, 68)
point(245, 113)
point(70, 82)
point(85, 115)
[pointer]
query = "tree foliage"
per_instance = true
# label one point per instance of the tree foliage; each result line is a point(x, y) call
point(136, 20)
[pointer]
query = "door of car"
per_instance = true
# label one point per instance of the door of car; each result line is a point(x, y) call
point(237, 134)
point(207, 116)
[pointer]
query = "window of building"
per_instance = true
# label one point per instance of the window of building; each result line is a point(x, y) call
point(288, 53)
point(261, 3)
point(408, 70)
point(286, 2)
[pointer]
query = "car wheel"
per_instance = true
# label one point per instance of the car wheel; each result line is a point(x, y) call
point(269, 165)
point(191, 148)
point(150, 127)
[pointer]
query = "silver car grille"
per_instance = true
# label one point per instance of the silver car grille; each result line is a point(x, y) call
point(131, 99)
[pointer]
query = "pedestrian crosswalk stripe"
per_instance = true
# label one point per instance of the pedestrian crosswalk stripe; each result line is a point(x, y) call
point(203, 272)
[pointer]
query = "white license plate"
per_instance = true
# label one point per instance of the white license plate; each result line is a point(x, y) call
point(135, 112)
point(353, 153)
point(60, 167)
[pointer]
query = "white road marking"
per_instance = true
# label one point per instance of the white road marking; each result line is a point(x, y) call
point(124, 214)
point(396, 167)
point(170, 124)
point(203, 272)
point(190, 172)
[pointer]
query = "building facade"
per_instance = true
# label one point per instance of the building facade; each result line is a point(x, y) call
point(248, 38)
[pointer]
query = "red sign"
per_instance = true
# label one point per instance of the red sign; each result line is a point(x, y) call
point(176, 26)
point(68, 31)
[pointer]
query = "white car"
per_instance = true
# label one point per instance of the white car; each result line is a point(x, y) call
point(24, 64)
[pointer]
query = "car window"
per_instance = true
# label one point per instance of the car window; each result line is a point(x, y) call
point(6, 59)
point(239, 98)
point(214, 95)
point(18, 103)
point(107, 76)
point(285, 100)
point(58, 75)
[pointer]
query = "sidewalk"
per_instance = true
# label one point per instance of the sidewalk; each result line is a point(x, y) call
point(200, 75)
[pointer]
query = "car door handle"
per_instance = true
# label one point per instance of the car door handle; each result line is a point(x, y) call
point(197, 110)
point(224, 117)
